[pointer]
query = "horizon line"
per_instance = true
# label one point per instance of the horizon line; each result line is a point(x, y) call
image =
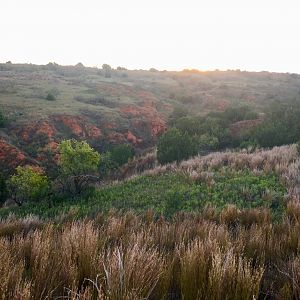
point(153, 69)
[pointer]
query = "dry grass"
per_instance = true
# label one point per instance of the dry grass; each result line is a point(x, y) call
point(194, 256)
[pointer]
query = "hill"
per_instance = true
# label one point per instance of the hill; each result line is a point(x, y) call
point(44, 104)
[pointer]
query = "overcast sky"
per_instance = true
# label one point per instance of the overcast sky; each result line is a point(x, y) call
point(165, 34)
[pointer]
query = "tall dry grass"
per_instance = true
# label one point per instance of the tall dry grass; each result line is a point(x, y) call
point(194, 256)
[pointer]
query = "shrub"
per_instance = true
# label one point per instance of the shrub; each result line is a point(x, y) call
point(175, 146)
point(120, 154)
point(3, 189)
point(28, 184)
point(50, 97)
point(249, 145)
point(281, 125)
point(207, 143)
point(178, 112)
point(2, 119)
point(174, 203)
point(108, 165)
point(239, 113)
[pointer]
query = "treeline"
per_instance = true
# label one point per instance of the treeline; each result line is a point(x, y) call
point(192, 135)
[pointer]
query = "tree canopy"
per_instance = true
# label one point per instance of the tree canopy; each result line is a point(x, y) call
point(122, 153)
point(78, 163)
point(27, 184)
point(78, 158)
point(175, 145)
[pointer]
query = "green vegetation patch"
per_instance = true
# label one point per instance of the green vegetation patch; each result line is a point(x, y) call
point(243, 189)
point(170, 193)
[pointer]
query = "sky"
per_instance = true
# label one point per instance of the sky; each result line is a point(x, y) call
point(252, 35)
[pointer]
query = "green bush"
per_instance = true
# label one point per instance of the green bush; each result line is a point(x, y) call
point(207, 143)
point(108, 165)
point(281, 125)
point(249, 145)
point(175, 146)
point(50, 97)
point(28, 184)
point(214, 126)
point(3, 189)
point(120, 154)
point(239, 113)
point(2, 119)
point(178, 112)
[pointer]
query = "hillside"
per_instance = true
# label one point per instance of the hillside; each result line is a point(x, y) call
point(265, 179)
point(105, 106)
point(222, 224)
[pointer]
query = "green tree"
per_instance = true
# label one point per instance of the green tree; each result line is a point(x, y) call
point(122, 153)
point(177, 113)
point(78, 164)
point(281, 125)
point(212, 126)
point(239, 113)
point(107, 70)
point(3, 189)
point(175, 146)
point(190, 125)
point(207, 143)
point(27, 184)
point(108, 165)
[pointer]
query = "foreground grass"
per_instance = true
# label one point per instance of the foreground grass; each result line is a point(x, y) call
point(238, 254)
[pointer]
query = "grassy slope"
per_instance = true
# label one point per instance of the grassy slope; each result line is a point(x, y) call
point(173, 191)
point(24, 87)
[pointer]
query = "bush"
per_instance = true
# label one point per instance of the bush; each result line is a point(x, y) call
point(175, 146)
point(239, 113)
point(281, 125)
point(178, 112)
point(207, 143)
point(249, 145)
point(120, 154)
point(50, 97)
point(108, 165)
point(28, 184)
point(2, 119)
point(3, 189)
